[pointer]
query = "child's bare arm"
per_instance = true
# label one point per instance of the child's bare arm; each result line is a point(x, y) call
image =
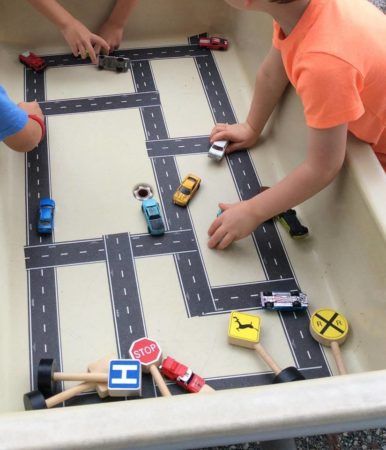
point(271, 81)
point(325, 156)
point(112, 30)
point(28, 137)
point(79, 37)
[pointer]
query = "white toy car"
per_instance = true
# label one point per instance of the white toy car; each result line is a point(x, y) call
point(217, 150)
point(284, 301)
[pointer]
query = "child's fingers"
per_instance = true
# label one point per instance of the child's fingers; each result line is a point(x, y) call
point(221, 136)
point(219, 127)
point(101, 42)
point(91, 52)
point(82, 51)
point(234, 147)
point(97, 49)
point(217, 237)
point(225, 241)
point(215, 224)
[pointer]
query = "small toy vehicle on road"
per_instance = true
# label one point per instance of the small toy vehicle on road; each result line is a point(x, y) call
point(182, 375)
point(213, 43)
point(186, 189)
point(217, 150)
point(151, 211)
point(284, 301)
point(32, 61)
point(291, 223)
point(117, 63)
point(46, 216)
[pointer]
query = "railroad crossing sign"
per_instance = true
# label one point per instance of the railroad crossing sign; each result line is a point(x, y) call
point(244, 328)
point(328, 326)
point(147, 351)
point(124, 377)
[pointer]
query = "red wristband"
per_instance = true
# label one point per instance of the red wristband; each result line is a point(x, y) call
point(40, 122)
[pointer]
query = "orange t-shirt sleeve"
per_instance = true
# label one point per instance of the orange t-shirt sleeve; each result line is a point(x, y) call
point(329, 89)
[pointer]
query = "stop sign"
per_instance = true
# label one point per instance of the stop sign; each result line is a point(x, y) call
point(147, 351)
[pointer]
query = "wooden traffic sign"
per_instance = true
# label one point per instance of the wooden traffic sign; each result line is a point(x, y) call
point(330, 328)
point(244, 331)
point(124, 377)
point(149, 353)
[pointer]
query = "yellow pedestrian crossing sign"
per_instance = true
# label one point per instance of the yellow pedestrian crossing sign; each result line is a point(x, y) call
point(328, 325)
point(244, 329)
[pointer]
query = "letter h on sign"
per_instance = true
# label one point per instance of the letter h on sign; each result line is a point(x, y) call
point(124, 377)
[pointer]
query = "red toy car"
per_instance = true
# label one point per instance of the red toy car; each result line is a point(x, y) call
point(182, 375)
point(32, 61)
point(213, 43)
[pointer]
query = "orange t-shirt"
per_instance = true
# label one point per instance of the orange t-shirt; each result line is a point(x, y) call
point(335, 57)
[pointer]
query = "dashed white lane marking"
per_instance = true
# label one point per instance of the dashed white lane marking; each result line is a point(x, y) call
point(45, 348)
point(269, 244)
point(178, 216)
point(63, 254)
point(44, 308)
point(176, 242)
point(44, 328)
point(194, 279)
point(158, 243)
point(139, 245)
point(122, 274)
point(127, 310)
point(198, 297)
point(101, 250)
point(125, 293)
point(83, 251)
point(43, 290)
point(275, 261)
point(234, 298)
point(308, 354)
point(189, 262)
point(131, 330)
point(41, 272)
point(264, 230)
point(33, 302)
point(117, 240)
point(301, 334)
point(119, 257)
point(294, 313)
point(167, 175)
point(93, 104)
point(45, 256)
point(78, 106)
point(170, 187)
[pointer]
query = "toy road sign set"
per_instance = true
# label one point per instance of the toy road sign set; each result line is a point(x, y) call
point(167, 228)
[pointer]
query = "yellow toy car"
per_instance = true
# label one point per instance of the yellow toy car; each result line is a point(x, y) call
point(186, 189)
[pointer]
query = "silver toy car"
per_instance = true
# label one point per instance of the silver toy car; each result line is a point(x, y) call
point(284, 301)
point(117, 63)
point(217, 150)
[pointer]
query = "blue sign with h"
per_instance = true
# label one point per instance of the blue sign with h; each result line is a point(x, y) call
point(124, 377)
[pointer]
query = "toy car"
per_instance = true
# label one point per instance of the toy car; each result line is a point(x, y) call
point(182, 375)
point(46, 216)
point(217, 150)
point(151, 211)
point(290, 221)
point(117, 63)
point(186, 189)
point(284, 301)
point(292, 224)
point(213, 43)
point(32, 61)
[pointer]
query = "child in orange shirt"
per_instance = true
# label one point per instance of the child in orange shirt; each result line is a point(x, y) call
point(333, 52)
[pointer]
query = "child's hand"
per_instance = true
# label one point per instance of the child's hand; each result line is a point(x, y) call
point(31, 108)
point(236, 222)
point(112, 34)
point(82, 41)
point(240, 135)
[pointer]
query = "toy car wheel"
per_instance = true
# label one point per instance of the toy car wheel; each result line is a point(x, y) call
point(268, 305)
point(119, 69)
point(267, 293)
point(295, 292)
point(100, 68)
point(287, 375)
point(296, 304)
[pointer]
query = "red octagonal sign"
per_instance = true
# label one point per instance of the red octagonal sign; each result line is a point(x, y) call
point(146, 350)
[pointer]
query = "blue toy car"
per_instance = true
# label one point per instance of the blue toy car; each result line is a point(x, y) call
point(155, 223)
point(46, 216)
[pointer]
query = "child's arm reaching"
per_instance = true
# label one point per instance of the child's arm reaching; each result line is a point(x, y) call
point(325, 156)
point(28, 136)
point(271, 81)
point(112, 30)
point(79, 37)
